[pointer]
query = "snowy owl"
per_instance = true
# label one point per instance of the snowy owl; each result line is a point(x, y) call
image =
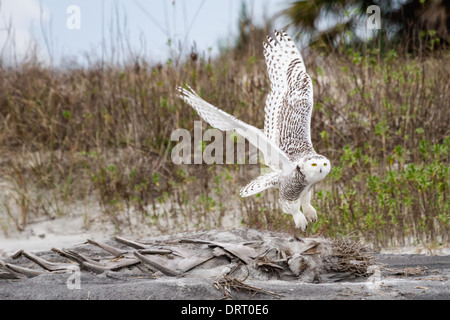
point(286, 141)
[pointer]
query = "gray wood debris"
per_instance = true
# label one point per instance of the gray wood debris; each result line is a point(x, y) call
point(228, 257)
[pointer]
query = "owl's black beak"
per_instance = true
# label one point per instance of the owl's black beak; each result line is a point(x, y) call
point(320, 170)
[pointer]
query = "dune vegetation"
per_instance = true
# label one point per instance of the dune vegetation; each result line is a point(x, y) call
point(103, 132)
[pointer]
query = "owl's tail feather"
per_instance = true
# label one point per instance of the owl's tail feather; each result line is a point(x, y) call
point(261, 183)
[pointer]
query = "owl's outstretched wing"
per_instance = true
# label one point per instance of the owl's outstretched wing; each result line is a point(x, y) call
point(290, 102)
point(273, 155)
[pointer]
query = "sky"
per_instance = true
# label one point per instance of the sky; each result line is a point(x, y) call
point(82, 30)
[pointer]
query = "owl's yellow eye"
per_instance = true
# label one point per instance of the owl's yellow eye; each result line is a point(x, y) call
point(325, 164)
point(314, 164)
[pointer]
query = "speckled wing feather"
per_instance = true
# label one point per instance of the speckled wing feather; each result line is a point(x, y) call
point(261, 183)
point(219, 119)
point(290, 102)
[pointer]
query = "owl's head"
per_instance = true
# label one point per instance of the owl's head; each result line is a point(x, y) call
point(315, 168)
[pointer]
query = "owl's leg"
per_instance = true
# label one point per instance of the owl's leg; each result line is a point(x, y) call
point(293, 208)
point(307, 208)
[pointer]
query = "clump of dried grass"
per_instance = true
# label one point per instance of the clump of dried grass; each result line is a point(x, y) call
point(227, 284)
point(351, 256)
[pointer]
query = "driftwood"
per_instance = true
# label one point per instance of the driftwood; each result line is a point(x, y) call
point(251, 254)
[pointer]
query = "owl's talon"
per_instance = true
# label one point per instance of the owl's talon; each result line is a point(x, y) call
point(300, 221)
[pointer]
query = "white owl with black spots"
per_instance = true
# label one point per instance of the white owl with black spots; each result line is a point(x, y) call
point(286, 140)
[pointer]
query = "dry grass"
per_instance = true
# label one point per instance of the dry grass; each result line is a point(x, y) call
point(351, 256)
point(226, 285)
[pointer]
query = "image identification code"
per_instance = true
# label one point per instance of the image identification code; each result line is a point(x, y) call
point(244, 309)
